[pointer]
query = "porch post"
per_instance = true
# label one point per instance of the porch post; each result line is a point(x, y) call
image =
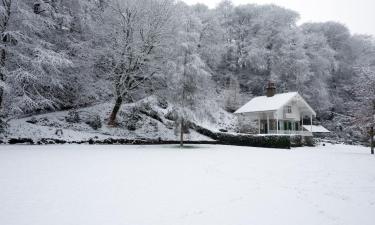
point(268, 123)
point(293, 126)
point(258, 124)
point(277, 124)
point(311, 122)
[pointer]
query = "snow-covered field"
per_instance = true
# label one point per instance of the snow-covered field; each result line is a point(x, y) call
point(204, 185)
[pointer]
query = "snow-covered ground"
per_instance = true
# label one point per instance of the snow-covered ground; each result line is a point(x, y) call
point(143, 127)
point(202, 185)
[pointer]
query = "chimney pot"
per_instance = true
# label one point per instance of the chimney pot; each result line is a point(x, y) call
point(271, 89)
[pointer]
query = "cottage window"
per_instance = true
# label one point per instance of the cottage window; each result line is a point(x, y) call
point(289, 109)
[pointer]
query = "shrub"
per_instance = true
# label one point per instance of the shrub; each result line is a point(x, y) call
point(94, 122)
point(153, 126)
point(146, 109)
point(3, 127)
point(73, 117)
point(296, 141)
point(169, 124)
point(246, 125)
point(162, 103)
point(309, 141)
point(131, 119)
point(172, 115)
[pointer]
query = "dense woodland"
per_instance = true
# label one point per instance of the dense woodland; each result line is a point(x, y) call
point(63, 54)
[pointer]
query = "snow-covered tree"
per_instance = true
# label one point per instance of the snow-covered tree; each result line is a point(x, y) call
point(41, 49)
point(190, 79)
point(40, 68)
point(364, 86)
point(140, 30)
point(232, 94)
point(211, 36)
point(6, 38)
point(321, 63)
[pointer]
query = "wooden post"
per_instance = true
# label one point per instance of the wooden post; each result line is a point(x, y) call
point(258, 124)
point(311, 122)
point(277, 125)
point(268, 123)
point(293, 127)
point(372, 129)
point(372, 139)
point(182, 133)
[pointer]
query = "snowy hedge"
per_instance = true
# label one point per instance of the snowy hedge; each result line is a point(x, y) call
point(247, 139)
point(255, 141)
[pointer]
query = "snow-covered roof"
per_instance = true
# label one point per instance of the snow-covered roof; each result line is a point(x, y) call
point(264, 103)
point(316, 128)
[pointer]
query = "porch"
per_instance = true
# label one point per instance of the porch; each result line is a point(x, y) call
point(268, 125)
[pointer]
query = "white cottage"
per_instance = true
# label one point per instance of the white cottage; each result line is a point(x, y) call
point(279, 113)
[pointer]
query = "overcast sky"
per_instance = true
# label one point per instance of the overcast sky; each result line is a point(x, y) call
point(358, 15)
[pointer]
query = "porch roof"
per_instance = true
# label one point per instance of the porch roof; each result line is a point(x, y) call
point(316, 129)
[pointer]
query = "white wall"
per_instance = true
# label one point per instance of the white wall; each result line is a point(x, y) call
point(290, 116)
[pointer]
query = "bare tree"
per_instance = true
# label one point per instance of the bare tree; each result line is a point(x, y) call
point(140, 29)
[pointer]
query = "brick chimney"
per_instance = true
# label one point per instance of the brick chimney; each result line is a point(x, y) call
point(271, 89)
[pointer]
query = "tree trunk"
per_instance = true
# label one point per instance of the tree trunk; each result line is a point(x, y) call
point(116, 108)
point(2, 76)
point(182, 134)
point(1, 100)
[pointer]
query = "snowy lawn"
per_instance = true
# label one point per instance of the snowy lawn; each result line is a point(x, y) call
point(204, 185)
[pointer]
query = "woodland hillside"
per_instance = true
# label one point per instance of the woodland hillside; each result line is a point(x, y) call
point(202, 63)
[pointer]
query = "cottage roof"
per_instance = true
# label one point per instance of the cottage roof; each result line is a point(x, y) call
point(274, 103)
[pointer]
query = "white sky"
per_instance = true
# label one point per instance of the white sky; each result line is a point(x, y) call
point(358, 15)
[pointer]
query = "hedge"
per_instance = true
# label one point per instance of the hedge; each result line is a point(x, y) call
point(270, 141)
point(107, 141)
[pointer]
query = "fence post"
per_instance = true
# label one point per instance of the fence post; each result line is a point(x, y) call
point(372, 128)
point(372, 140)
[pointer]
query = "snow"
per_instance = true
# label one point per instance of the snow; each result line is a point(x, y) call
point(264, 103)
point(316, 128)
point(21, 129)
point(149, 128)
point(201, 185)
